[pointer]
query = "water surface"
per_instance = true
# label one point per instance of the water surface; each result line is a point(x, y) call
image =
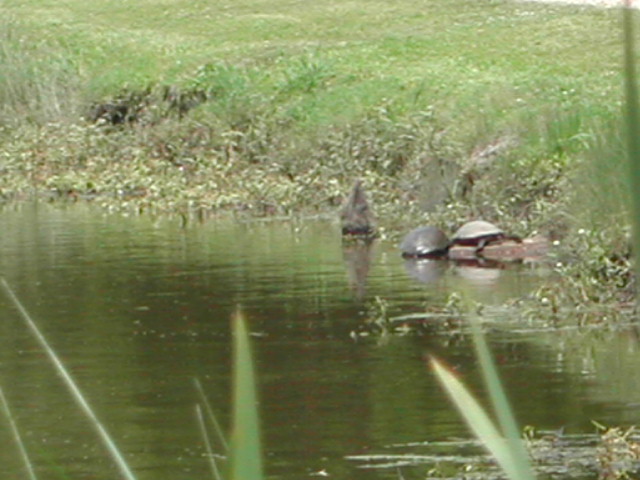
point(139, 307)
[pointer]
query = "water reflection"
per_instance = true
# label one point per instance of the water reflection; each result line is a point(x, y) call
point(139, 307)
point(480, 272)
point(425, 270)
point(357, 259)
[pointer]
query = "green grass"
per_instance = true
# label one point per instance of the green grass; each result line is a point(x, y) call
point(366, 88)
point(452, 54)
point(479, 63)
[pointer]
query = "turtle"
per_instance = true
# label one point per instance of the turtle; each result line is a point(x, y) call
point(425, 242)
point(356, 216)
point(479, 234)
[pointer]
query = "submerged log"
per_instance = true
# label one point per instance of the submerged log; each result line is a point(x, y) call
point(356, 216)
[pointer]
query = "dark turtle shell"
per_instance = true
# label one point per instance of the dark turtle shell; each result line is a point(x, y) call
point(424, 242)
point(477, 232)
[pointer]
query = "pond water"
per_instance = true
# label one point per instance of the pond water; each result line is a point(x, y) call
point(138, 308)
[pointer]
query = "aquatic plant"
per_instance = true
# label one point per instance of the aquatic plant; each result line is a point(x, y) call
point(15, 431)
point(71, 385)
point(503, 442)
point(618, 452)
point(245, 454)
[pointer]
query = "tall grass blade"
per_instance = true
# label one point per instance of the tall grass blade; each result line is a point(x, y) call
point(632, 118)
point(479, 422)
point(71, 385)
point(205, 437)
point(17, 437)
point(500, 403)
point(210, 415)
point(245, 461)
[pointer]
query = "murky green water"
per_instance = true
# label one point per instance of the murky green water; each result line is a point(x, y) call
point(138, 308)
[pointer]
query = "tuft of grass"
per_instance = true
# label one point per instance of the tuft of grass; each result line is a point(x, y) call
point(39, 82)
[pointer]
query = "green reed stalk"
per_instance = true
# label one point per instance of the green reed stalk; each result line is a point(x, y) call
point(632, 119)
point(245, 457)
point(501, 406)
point(504, 443)
point(71, 385)
point(17, 437)
point(209, 411)
point(207, 442)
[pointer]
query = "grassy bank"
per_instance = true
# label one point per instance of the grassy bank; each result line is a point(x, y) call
point(448, 110)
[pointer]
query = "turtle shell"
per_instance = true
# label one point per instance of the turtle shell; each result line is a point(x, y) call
point(424, 242)
point(475, 231)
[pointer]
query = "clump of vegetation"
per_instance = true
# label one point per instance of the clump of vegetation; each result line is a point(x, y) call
point(618, 453)
point(39, 82)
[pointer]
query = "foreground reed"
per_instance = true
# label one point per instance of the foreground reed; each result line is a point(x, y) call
point(632, 120)
point(503, 442)
point(71, 385)
point(245, 458)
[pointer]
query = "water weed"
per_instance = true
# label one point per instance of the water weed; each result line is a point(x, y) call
point(618, 452)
